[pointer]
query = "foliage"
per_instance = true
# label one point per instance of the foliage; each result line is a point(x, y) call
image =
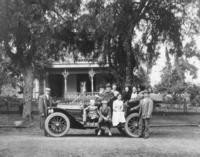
point(34, 33)
point(115, 25)
point(141, 78)
point(173, 76)
point(7, 74)
point(28, 36)
point(170, 82)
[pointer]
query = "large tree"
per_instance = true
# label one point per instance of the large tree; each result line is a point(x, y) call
point(174, 75)
point(4, 77)
point(173, 78)
point(28, 29)
point(116, 26)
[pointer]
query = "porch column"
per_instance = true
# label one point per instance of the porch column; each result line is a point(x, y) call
point(91, 74)
point(65, 75)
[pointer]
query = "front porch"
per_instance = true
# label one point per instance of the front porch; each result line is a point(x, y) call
point(69, 83)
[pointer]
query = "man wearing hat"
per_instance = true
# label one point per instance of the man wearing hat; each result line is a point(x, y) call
point(108, 95)
point(45, 101)
point(105, 117)
point(99, 96)
point(145, 112)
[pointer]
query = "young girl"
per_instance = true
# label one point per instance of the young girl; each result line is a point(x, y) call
point(90, 112)
point(118, 113)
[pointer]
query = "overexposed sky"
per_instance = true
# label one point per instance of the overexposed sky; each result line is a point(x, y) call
point(155, 76)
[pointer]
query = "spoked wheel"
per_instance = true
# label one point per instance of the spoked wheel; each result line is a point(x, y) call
point(131, 125)
point(57, 124)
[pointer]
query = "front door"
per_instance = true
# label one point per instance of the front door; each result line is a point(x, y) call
point(56, 83)
point(83, 83)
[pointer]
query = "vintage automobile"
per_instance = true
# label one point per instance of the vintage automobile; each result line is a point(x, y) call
point(63, 117)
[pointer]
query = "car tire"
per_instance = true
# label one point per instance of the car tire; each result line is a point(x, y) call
point(57, 124)
point(131, 125)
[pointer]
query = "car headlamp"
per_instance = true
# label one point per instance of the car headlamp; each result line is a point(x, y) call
point(50, 111)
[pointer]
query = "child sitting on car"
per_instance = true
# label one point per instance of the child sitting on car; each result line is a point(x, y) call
point(90, 112)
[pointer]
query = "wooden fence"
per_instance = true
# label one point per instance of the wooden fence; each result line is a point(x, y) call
point(15, 105)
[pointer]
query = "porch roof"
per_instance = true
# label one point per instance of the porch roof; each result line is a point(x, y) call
point(76, 65)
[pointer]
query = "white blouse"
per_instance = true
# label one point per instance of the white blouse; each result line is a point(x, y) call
point(118, 106)
point(134, 95)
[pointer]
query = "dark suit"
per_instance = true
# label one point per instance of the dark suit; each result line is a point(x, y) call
point(105, 112)
point(109, 96)
point(44, 103)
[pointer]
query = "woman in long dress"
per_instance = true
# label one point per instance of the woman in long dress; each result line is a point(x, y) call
point(118, 113)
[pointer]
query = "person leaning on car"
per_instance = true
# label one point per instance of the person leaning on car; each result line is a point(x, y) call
point(145, 112)
point(45, 101)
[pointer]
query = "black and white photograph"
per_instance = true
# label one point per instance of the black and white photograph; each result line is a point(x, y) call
point(99, 78)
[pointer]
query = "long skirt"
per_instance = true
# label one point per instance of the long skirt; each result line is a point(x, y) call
point(118, 117)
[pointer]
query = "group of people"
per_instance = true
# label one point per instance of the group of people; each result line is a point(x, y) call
point(105, 114)
point(113, 108)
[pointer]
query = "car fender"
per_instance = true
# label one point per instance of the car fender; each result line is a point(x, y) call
point(73, 121)
point(133, 112)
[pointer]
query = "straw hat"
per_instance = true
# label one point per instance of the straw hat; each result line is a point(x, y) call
point(104, 101)
point(47, 89)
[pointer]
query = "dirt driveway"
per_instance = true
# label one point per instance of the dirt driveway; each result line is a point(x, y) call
point(164, 141)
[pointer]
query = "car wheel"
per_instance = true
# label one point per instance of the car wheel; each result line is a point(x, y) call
point(131, 125)
point(57, 124)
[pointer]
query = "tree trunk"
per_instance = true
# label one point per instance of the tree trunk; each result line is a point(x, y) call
point(178, 68)
point(28, 92)
point(129, 66)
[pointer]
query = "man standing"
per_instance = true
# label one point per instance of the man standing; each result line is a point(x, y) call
point(45, 101)
point(108, 95)
point(145, 112)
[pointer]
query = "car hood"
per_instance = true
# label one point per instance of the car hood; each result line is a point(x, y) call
point(69, 106)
